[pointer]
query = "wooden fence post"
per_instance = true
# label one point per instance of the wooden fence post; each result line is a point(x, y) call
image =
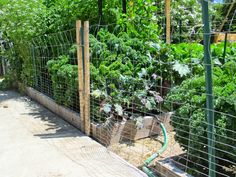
point(80, 72)
point(86, 79)
point(167, 12)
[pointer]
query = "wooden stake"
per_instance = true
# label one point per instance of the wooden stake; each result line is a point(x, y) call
point(167, 11)
point(216, 37)
point(227, 15)
point(86, 78)
point(80, 72)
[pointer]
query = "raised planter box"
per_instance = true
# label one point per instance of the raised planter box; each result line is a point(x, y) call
point(110, 132)
point(150, 127)
point(167, 168)
point(113, 132)
point(67, 114)
point(219, 37)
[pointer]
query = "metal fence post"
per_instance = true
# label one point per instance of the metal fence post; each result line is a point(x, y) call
point(225, 47)
point(180, 31)
point(209, 89)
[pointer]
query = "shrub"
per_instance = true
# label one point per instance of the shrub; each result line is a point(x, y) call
point(7, 82)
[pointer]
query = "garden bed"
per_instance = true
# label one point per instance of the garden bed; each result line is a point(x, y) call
point(166, 167)
point(112, 132)
point(179, 166)
point(136, 152)
point(67, 114)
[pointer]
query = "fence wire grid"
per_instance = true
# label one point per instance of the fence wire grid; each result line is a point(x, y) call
point(132, 92)
point(137, 84)
point(54, 65)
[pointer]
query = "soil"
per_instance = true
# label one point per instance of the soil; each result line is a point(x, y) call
point(137, 152)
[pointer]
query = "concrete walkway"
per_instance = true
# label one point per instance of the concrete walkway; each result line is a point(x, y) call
point(36, 143)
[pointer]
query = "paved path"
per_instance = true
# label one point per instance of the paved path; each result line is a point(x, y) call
point(36, 143)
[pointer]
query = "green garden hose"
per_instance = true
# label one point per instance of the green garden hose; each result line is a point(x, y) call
point(150, 159)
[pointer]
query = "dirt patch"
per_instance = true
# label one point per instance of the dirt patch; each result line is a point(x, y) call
point(137, 152)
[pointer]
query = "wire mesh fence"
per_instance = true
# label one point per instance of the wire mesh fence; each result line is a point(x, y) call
point(55, 69)
point(135, 80)
point(128, 100)
point(139, 85)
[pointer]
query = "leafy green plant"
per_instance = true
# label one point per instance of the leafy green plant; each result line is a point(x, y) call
point(121, 79)
point(6, 82)
point(64, 78)
point(126, 71)
point(140, 20)
point(189, 103)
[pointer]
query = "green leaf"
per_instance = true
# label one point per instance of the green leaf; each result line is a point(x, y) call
point(148, 105)
point(107, 108)
point(182, 69)
point(118, 109)
point(96, 93)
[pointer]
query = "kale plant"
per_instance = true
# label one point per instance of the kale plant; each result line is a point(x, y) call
point(64, 78)
point(188, 100)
